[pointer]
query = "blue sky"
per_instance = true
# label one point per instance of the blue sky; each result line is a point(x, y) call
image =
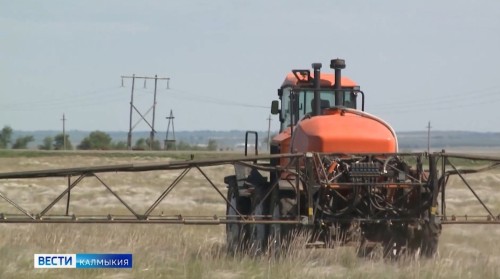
point(416, 60)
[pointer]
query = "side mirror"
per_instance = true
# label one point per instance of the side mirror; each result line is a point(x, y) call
point(275, 107)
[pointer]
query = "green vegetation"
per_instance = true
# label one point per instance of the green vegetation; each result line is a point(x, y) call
point(56, 143)
point(96, 140)
point(47, 144)
point(62, 142)
point(144, 144)
point(22, 142)
point(5, 137)
point(19, 143)
point(120, 145)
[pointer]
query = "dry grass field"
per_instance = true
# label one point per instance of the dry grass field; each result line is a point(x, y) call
point(182, 251)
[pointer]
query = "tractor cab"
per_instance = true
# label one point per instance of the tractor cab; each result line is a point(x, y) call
point(296, 103)
point(324, 112)
point(303, 94)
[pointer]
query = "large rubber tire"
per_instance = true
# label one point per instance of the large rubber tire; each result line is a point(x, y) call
point(395, 245)
point(236, 234)
point(283, 204)
point(429, 239)
point(259, 232)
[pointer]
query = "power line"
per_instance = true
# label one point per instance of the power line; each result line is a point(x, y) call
point(448, 99)
point(438, 106)
point(134, 108)
point(112, 94)
point(209, 99)
point(70, 101)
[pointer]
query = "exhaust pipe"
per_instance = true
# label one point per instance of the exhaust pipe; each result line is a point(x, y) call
point(338, 65)
point(316, 109)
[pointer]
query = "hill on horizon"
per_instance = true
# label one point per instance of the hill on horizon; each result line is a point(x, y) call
point(234, 138)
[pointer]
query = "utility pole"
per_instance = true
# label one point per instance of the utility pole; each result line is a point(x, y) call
point(129, 136)
point(269, 132)
point(143, 116)
point(64, 131)
point(167, 141)
point(428, 137)
point(152, 134)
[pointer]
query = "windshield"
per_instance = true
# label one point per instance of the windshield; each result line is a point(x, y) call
point(299, 102)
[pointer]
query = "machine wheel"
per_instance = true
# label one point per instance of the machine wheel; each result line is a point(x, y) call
point(275, 237)
point(283, 205)
point(236, 234)
point(395, 246)
point(259, 232)
point(429, 239)
point(379, 241)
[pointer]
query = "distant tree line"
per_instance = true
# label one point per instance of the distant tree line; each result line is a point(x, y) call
point(19, 143)
point(96, 140)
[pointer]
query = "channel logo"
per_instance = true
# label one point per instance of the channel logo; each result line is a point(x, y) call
point(83, 260)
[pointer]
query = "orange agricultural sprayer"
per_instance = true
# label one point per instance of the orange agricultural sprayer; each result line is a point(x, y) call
point(334, 172)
